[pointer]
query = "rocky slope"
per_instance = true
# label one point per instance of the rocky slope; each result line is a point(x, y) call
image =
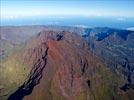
point(115, 47)
point(13, 36)
point(57, 64)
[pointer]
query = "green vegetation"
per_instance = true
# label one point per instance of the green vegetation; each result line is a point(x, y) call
point(12, 74)
point(107, 89)
point(81, 96)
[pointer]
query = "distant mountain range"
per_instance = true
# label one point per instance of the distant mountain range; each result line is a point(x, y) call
point(115, 47)
point(66, 63)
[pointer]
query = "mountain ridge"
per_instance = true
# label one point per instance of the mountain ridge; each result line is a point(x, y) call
point(75, 69)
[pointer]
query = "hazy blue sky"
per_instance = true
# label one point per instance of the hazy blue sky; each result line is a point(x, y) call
point(25, 8)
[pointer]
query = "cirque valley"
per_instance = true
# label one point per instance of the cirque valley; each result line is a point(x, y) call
point(64, 53)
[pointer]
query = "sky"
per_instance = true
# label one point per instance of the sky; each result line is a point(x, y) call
point(28, 8)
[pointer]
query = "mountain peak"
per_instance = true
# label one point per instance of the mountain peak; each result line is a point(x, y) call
point(57, 61)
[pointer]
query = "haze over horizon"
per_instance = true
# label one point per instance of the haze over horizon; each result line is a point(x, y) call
point(111, 13)
point(24, 8)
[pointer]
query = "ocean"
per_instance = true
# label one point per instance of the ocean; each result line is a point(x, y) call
point(87, 21)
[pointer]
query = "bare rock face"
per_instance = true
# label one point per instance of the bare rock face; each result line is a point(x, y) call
point(62, 68)
point(64, 64)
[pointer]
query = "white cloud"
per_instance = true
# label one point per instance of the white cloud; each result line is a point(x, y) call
point(83, 26)
point(130, 28)
point(121, 19)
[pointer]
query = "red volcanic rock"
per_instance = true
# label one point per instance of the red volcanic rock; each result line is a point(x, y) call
point(68, 83)
point(62, 68)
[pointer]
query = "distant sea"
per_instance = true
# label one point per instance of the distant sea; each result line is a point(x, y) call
point(114, 22)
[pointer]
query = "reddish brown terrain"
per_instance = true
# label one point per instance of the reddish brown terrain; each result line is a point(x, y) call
point(58, 65)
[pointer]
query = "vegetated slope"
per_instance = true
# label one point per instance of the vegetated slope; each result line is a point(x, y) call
point(62, 68)
point(115, 47)
point(13, 36)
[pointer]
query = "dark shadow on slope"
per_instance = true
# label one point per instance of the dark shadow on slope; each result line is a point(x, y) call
point(33, 79)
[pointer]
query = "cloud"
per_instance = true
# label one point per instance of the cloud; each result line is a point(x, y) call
point(130, 28)
point(121, 19)
point(83, 26)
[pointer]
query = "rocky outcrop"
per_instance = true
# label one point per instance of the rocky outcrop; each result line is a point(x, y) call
point(115, 48)
point(61, 68)
point(128, 72)
point(62, 65)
